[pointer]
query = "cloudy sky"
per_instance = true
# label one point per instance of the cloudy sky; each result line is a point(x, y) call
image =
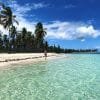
point(70, 23)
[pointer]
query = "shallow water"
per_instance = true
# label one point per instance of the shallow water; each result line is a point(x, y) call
point(76, 77)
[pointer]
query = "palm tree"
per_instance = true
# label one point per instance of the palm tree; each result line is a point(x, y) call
point(39, 34)
point(29, 41)
point(7, 19)
point(46, 45)
point(1, 42)
point(13, 34)
point(32, 41)
point(5, 41)
point(23, 36)
point(18, 42)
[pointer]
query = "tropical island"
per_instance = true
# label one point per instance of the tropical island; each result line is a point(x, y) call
point(19, 45)
point(49, 50)
point(26, 41)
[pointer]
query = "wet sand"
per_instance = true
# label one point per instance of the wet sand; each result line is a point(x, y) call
point(8, 60)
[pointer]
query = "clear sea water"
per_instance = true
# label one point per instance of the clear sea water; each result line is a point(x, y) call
point(73, 77)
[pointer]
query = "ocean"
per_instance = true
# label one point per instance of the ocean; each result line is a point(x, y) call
point(72, 77)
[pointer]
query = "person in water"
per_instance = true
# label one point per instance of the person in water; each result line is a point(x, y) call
point(45, 54)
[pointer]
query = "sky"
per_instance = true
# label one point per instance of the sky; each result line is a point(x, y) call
point(69, 23)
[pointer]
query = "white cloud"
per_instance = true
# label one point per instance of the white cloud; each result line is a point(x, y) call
point(22, 11)
point(71, 30)
point(88, 31)
point(82, 40)
point(19, 9)
point(2, 30)
point(97, 47)
point(24, 23)
point(56, 29)
point(39, 5)
point(27, 7)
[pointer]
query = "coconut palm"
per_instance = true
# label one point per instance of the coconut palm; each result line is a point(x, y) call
point(5, 41)
point(29, 40)
point(13, 33)
point(1, 42)
point(6, 17)
point(46, 45)
point(18, 41)
point(39, 34)
point(24, 34)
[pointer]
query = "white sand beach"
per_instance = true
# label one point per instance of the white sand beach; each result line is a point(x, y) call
point(7, 60)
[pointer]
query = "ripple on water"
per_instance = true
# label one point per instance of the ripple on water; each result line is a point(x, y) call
point(73, 78)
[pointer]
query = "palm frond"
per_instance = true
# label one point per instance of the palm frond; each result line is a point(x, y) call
point(16, 21)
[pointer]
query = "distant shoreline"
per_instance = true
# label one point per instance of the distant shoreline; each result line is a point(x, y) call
point(85, 53)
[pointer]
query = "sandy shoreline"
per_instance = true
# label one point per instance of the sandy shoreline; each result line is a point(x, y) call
point(8, 60)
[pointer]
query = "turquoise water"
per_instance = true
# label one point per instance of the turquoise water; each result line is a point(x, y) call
point(76, 77)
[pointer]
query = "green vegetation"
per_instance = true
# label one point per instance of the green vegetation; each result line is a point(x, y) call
point(25, 41)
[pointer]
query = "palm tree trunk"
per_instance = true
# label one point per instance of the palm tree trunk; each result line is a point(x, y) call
point(9, 45)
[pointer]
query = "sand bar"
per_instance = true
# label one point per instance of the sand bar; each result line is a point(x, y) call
point(6, 60)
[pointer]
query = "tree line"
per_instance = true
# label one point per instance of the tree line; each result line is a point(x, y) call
point(58, 49)
point(26, 41)
point(20, 41)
